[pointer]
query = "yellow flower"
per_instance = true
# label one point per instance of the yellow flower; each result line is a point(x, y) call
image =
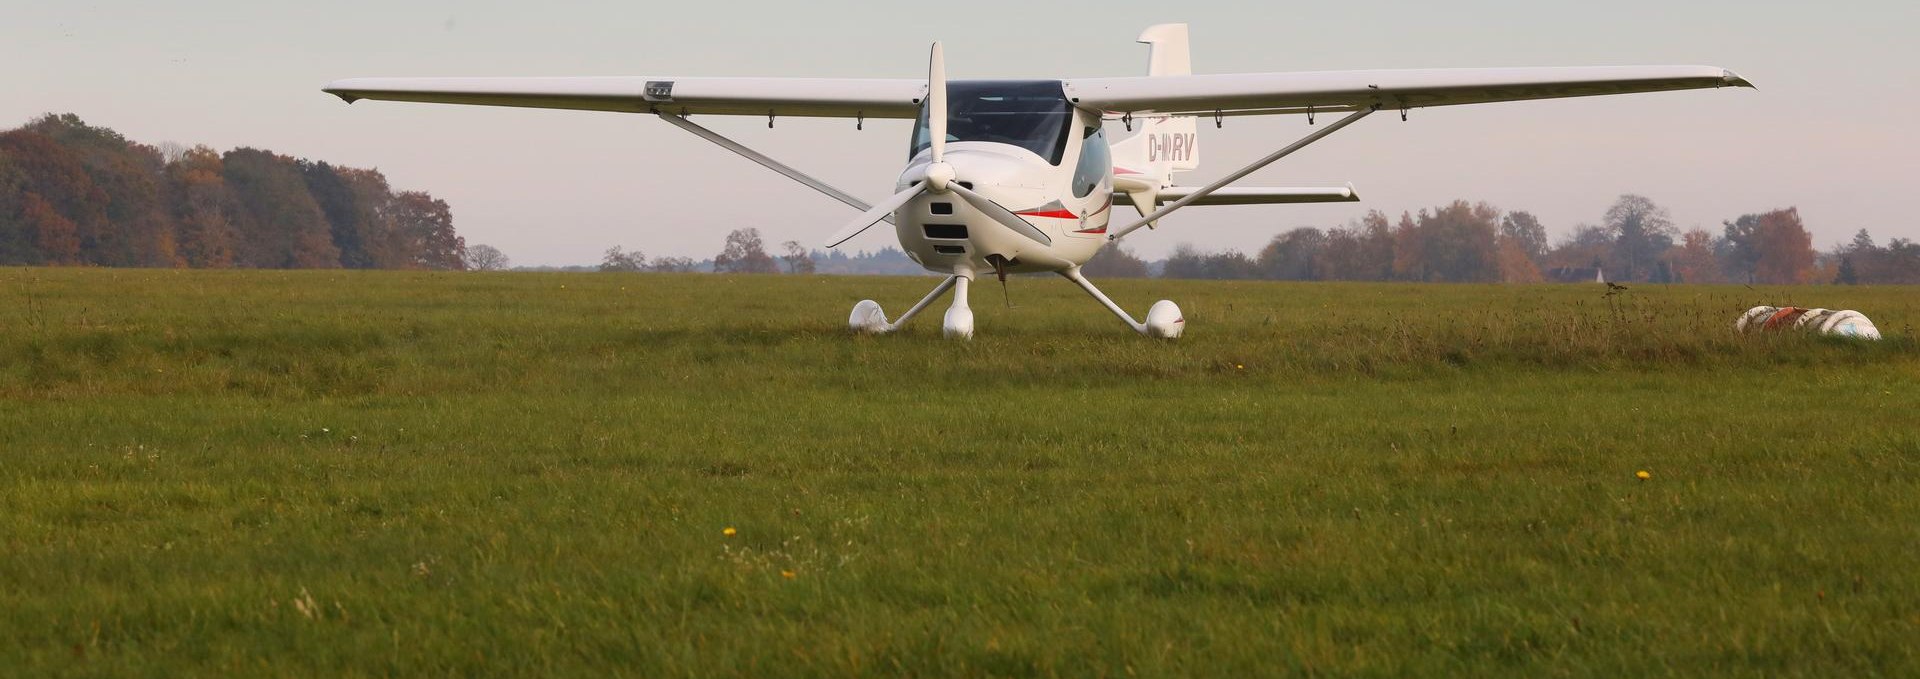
point(728, 531)
point(787, 574)
point(1643, 475)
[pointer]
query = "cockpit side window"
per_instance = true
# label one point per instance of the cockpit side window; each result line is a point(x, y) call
point(1096, 161)
point(1033, 115)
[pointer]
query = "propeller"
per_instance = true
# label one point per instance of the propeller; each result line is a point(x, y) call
point(939, 178)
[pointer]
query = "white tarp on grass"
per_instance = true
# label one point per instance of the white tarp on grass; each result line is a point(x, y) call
point(1823, 321)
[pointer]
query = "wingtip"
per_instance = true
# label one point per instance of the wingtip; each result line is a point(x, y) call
point(1734, 80)
point(337, 89)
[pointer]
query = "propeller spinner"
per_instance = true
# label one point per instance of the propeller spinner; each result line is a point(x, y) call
point(940, 175)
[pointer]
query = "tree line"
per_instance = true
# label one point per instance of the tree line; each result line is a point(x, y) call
point(75, 194)
point(1635, 240)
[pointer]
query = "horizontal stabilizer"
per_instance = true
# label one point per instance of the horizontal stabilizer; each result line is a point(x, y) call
point(1258, 195)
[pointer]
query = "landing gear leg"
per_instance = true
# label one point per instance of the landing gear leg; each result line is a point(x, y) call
point(1164, 319)
point(959, 322)
point(869, 319)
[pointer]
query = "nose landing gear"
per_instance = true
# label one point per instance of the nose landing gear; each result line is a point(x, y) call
point(1164, 319)
point(959, 320)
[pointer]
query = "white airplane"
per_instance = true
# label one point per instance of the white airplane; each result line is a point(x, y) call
point(1010, 176)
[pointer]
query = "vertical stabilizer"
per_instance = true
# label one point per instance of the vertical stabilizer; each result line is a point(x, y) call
point(1159, 146)
point(1169, 54)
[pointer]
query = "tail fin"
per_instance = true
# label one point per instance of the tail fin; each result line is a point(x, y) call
point(1160, 146)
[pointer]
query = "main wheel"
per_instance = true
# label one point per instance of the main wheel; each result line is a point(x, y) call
point(867, 318)
point(1165, 321)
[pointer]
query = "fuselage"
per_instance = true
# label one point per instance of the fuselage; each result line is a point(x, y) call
point(1025, 147)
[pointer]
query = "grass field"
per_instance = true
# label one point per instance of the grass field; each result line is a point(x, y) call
point(372, 474)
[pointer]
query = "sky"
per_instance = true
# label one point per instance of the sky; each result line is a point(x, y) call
point(1828, 131)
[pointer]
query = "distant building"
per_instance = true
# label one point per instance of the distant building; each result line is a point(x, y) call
point(1577, 274)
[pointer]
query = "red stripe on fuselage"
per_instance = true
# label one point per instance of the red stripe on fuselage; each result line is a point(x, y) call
point(1103, 227)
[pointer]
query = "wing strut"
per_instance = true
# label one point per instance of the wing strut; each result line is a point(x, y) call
point(1241, 173)
point(769, 163)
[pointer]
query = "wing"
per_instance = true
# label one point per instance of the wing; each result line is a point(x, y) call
point(1262, 93)
point(818, 97)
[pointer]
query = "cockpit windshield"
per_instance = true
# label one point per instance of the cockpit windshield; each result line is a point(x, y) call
point(1031, 114)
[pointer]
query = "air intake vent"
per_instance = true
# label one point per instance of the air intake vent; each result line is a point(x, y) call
point(946, 231)
point(942, 208)
point(949, 250)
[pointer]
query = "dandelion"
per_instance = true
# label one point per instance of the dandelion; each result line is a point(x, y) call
point(788, 575)
point(1238, 366)
point(1643, 475)
point(728, 531)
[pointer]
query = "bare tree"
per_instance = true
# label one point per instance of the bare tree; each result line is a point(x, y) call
point(623, 261)
point(1641, 231)
point(798, 260)
point(744, 253)
point(483, 257)
point(672, 265)
point(171, 151)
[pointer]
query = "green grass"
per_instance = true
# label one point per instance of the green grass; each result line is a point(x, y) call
point(372, 474)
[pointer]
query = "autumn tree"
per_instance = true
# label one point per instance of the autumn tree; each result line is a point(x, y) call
point(744, 253)
point(1784, 248)
point(71, 193)
point(1525, 233)
point(1453, 243)
point(425, 225)
point(1516, 264)
point(202, 209)
point(280, 224)
point(1294, 256)
point(44, 180)
point(797, 259)
point(55, 237)
point(1641, 231)
point(137, 228)
point(1693, 259)
point(355, 203)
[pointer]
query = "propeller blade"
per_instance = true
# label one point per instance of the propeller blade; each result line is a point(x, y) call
point(937, 102)
point(873, 216)
point(1000, 214)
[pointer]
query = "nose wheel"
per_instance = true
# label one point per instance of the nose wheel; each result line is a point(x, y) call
point(869, 319)
point(959, 320)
